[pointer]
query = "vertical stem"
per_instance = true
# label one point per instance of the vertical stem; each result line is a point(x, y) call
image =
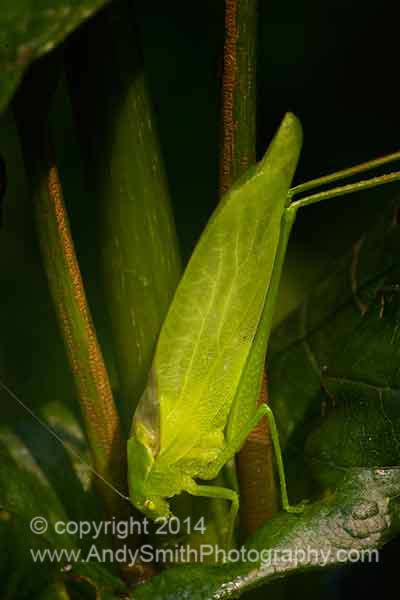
point(258, 495)
point(137, 244)
point(84, 353)
point(238, 91)
point(72, 310)
point(255, 465)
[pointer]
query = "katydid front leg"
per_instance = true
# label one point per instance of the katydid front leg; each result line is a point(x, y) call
point(211, 491)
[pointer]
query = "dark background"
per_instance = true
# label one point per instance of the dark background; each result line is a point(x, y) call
point(334, 64)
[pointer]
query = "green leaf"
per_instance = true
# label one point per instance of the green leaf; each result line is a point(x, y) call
point(137, 249)
point(101, 419)
point(40, 480)
point(333, 364)
point(38, 475)
point(194, 582)
point(55, 591)
point(359, 516)
point(29, 29)
point(25, 495)
point(28, 492)
point(90, 578)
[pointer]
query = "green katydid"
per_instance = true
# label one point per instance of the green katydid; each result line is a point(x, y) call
point(200, 402)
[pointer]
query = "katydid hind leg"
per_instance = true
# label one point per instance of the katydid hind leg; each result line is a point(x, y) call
point(236, 444)
point(243, 407)
point(232, 446)
point(298, 508)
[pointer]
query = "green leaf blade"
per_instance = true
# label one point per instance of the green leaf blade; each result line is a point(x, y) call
point(334, 362)
point(30, 29)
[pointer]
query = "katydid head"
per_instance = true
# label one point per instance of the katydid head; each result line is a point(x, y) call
point(151, 505)
point(141, 460)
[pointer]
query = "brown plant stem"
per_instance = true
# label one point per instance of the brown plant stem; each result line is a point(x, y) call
point(255, 467)
point(137, 247)
point(73, 314)
point(258, 494)
point(238, 91)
